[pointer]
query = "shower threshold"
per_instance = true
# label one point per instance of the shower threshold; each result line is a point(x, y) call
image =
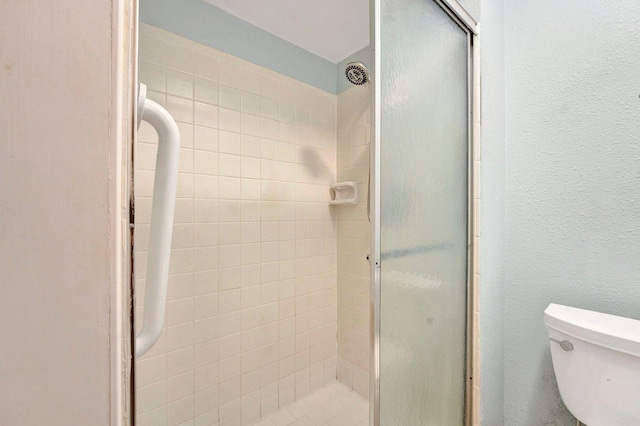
point(333, 405)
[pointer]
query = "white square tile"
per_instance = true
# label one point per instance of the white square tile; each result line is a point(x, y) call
point(250, 254)
point(230, 368)
point(205, 162)
point(250, 124)
point(205, 115)
point(180, 386)
point(251, 167)
point(206, 234)
point(250, 275)
point(269, 108)
point(270, 313)
point(205, 138)
point(206, 91)
point(283, 418)
point(229, 278)
point(251, 360)
point(180, 361)
point(181, 109)
point(181, 410)
point(250, 146)
point(270, 231)
point(205, 353)
point(229, 210)
point(179, 84)
point(205, 329)
point(154, 76)
point(269, 272)
point(206, 376)
point(205, 211)
point(229, 97)
point(209, 418)
point(205, 186)
point(250, 381)
point(269, 170)
point(250, 232)
point(250, 103)
point(269, 149)
point(229, 346)
point(269, 251)
point(250, 414)
point(151, 396)
point(230, 391)
point(250, 297)
point(229, 301)
point(251, 339)
point(229, 142)
point(186, 135)
point(269, 405)
point(229, 165)
point(229, 188)
point(269, 190)
point(180, 336)
point(270, 210)
point(229, 323)
point(229, 120)
point(250, 189)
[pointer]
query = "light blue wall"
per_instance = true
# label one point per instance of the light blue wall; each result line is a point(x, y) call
point(492, 214)
point(213, 27)
point(572, 194)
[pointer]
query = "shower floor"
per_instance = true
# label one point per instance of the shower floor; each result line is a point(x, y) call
point(334, 405)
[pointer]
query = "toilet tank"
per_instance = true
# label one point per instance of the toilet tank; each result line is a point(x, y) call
point(598, 373)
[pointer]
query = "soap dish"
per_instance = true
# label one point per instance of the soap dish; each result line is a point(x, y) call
point(344, 193)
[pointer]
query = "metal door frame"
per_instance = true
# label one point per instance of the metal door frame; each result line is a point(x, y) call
point(464, 20)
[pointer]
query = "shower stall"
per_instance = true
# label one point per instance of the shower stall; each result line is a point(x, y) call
point(283, 305)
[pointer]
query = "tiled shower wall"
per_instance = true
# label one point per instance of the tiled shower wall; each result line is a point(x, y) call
point(353, 242)
point(252, 303)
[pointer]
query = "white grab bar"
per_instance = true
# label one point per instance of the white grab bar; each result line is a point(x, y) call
point(163, 207)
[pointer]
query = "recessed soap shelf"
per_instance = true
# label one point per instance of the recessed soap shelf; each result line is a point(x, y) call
point(344, 193)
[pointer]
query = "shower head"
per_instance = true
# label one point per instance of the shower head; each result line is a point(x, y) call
point(357, 73)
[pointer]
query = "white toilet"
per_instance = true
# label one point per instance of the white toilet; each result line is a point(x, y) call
point(596, 358)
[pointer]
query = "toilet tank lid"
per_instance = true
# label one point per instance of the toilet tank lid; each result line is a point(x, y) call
point(611, 331)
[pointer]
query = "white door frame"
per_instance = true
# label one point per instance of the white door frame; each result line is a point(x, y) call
point(124, 90)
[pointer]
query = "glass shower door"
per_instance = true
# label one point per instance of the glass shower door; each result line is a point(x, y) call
point(422, 173)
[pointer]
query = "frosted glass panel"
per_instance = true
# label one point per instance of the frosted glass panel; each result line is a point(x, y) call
point(423, 216)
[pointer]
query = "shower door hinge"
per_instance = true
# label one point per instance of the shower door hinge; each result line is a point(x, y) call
point(377, 263)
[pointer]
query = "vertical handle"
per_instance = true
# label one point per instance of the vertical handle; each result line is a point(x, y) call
point(163, 207)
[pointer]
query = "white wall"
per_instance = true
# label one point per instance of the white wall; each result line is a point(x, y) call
point(572, 195)
point(59, 212)
point(251, 312)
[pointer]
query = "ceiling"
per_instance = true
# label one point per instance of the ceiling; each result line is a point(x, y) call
point(331, 29)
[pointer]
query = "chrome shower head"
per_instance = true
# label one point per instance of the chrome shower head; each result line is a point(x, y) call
point(357, 73)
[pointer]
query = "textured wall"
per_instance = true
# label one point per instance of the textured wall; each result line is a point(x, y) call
point(473, 7)
point(492, 214)
point(572, 181)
